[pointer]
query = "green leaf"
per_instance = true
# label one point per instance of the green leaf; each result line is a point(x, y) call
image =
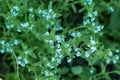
point(37, 63)
point(50, 5)
point(31, 18)
point(118, 72)
point(24, 46)
point(64, 70)
point(74, 8)
point(76, 70)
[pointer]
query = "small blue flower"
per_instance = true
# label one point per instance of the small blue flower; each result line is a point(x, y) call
point(9, 26)
point(111, 9)
point(24, 24)
point(93, 49)
point(95, 13)
point(59, 28)
point(16, 42)
point(117, 51)
point(47, 33)
point(92, 42)
point(87, 54)
point(90, 2)
point(110, 53)
point(19, 30)
point(69, 60)
point(9, 49)
point(2, 51)
point(78, 54)
point(30, 9)
point(2, 42)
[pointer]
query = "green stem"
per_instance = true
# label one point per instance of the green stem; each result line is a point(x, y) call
point(17, 66)
point(79, 27)
point(35, 76)
point(26, 10)
point(103, 73)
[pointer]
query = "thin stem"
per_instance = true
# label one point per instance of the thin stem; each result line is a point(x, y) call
point(103, 73)
point(26, 10)
point(17, 66)
point(35, 76)
point(79, 27)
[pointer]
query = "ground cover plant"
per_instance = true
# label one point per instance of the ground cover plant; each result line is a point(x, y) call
point(60, 39)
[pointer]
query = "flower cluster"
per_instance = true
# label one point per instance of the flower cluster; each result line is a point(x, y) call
point(15, 10)
point(112, 57)
point(22, 62)
point(50, 14)
point(88, 2)
point(7, 46)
